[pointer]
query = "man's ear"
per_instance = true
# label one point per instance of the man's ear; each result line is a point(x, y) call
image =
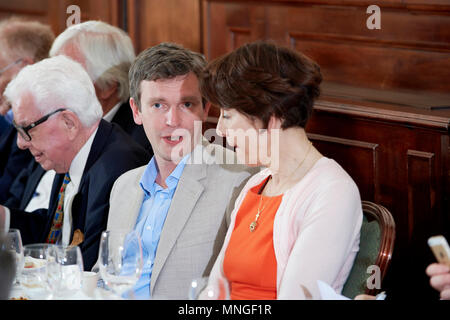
point(72, 123)
point(136, 113)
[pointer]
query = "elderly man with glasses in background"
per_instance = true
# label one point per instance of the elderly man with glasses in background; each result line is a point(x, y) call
point(59, 119)
point(106, 53)
point(21, 43)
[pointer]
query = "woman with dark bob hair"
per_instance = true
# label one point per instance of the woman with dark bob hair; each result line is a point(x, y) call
point(298, 220)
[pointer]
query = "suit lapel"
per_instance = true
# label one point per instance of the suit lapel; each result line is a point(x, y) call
point(130, 207)
point(100, 140)
point(188, 191)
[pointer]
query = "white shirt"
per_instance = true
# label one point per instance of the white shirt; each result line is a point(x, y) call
point(75, 172)
point(41, 197)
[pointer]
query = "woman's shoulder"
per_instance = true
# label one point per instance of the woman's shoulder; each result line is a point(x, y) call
point(325, 175)
point(329, 170)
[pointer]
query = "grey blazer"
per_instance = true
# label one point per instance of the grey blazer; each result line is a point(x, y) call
point(196, 222)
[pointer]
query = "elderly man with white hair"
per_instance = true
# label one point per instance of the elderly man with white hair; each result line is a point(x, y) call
point(59, 119)
point(106, 53)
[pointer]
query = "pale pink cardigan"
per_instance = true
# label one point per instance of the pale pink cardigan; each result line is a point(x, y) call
point(315, 232)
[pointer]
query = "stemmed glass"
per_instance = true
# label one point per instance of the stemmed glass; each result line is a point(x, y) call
point(34, 277)
point(13, 243)
point(65, 270)
point(120, 260)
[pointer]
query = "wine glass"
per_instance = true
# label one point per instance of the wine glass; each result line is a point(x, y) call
point(13, 243)
point(65, 270)
point(120, 260)
point(34, 277)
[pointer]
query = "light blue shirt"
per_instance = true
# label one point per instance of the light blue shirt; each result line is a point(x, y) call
point(151, 218)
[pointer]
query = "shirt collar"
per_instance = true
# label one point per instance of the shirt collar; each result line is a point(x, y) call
point(111, 113)
point(79, 162)
point(148, 180)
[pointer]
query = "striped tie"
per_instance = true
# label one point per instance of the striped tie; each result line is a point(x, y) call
point(55, 231)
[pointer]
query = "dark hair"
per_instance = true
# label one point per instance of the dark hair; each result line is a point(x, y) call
point(163, 61)
point(261, 79)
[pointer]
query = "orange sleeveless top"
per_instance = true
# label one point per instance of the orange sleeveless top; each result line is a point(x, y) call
point(249, 263)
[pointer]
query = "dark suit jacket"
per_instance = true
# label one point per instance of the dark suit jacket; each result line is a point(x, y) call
point(124, 118)
point(12, 160)
point(112, 153)
point(24, 186)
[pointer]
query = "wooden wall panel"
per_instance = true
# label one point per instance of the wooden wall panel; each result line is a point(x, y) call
point(421, 188)
point(155, 21)
point(54, 12)
point(354, 62)
point(409, 52)
point(362, 164)
point(412, 177)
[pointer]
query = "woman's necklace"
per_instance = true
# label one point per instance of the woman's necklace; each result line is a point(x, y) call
point(254, 223)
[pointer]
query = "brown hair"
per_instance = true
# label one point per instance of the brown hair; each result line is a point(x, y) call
point(261, 79)
point(163, 61)
point(30, 39)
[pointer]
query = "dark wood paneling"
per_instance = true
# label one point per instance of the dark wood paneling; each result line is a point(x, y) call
point(421, 188)
point(410, 51)
point(54, 12)
point(155, 21)
point(412, 169)
point(375, 66)
point(362, 165)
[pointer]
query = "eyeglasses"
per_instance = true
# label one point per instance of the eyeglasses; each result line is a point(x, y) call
point(23, 131)
point(9, 66)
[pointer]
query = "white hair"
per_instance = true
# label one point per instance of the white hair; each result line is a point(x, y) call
point(107, 50)
point(57, 82)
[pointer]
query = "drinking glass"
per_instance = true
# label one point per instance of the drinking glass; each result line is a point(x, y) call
point(120, 260)
point(65, 270)
point(13, 243)
point(34, 277)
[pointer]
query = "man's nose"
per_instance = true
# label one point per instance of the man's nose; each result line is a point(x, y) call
point(173, 117)
point(21, 142)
